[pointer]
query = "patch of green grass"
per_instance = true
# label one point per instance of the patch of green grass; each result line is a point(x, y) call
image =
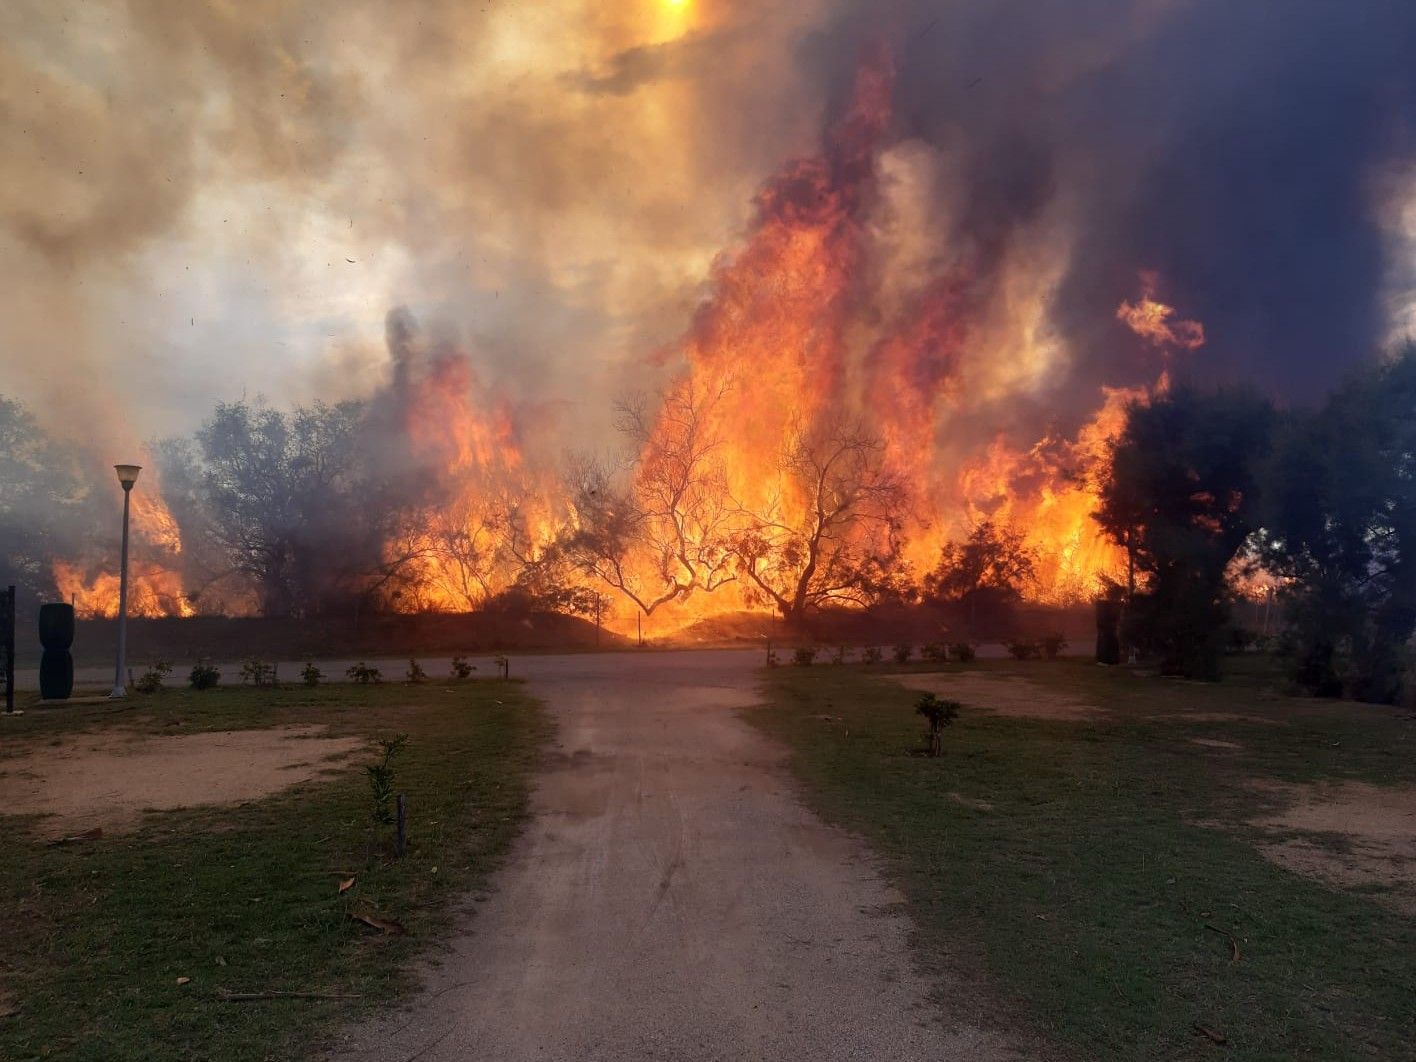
point(245, 898)
point(1073, 867)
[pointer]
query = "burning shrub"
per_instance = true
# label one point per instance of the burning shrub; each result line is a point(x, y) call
point(871, 654)
point(151, 680)
point(903, 652)
point(1024, 649)
point(963, 652)
point(311, 674)
point(461, 669)
point(364, 675)
point(939, 713)
point(1052, 646)
point(204, 676)
point(257, 673)
point(804, 655)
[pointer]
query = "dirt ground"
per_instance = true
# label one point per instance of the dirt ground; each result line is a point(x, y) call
point(108, 780)
point(1348, 834)
point(673, 899)
point(1004, 694)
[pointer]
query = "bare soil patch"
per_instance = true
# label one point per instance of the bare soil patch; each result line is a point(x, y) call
point(1004, 694)
point(108, 780)
point(1347, 834)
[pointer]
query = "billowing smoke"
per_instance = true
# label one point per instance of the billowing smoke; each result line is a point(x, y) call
point(965, 224)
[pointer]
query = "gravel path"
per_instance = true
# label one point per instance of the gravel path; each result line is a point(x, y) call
point(672, 899)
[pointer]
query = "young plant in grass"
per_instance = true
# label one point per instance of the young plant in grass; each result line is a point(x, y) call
point(312, 675)
point(903, 652)
point(365, 675)
point(257, 673)
point(939, 713)
point(963, 652)
point(381, 780)
point(1024, 649)
point(871, 655)
point(804, 655)
point(151, 680)
point(416, 674)
point(461, 669)
point(204, 676)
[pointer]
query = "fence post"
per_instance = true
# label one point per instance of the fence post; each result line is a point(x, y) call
point(7, 646)
point(400, 839)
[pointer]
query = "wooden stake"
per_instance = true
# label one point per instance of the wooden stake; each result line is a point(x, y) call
point(400, 841)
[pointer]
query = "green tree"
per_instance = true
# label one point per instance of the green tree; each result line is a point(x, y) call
point(1340, 517)
point(283, 499)
point(1181, 496)
point(41, 502)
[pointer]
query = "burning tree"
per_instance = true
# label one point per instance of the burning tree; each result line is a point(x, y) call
point(665, 534)
point(830, 535)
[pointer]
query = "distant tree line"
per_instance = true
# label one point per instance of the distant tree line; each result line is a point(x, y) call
point(324, 508)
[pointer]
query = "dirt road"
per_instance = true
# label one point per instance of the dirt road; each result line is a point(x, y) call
point(672, 899)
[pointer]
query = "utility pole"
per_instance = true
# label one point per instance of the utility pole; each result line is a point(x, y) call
point(127, 476)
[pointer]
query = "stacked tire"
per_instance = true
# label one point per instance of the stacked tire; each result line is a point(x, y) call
point(1108, 630)
point(56, 663)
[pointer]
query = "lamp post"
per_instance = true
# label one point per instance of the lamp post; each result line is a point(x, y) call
point(127, 476)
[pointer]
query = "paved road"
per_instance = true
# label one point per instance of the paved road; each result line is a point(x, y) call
point(672, 899)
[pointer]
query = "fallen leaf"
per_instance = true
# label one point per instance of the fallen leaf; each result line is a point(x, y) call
point(1213, 1035)
point(184, 980)
point(346, 885)
point(88, 835)
point(221, 960)
point(383, 925)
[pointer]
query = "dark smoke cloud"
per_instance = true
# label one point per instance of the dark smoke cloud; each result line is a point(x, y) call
point(1231, 148)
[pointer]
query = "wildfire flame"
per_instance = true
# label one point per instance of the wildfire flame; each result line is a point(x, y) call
point(154, 589)
point(792, 340)
point(783, 345)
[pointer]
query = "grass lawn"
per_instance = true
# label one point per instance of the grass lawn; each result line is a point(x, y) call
point(245, 898)
point(1070, 869)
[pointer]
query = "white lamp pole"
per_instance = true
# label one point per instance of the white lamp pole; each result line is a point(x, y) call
point(127, 476)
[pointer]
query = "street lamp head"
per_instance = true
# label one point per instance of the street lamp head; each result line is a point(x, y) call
point(128, 475)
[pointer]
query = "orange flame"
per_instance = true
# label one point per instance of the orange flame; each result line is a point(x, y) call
point(154, 589)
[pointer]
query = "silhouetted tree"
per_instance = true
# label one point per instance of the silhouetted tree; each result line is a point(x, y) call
point(283, 500)
point(661, 532)
point(1181, 496)
point(1340, 517)
point(41, 502)
point(834, 541)
point(987, 573)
